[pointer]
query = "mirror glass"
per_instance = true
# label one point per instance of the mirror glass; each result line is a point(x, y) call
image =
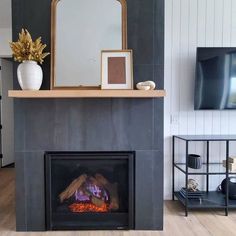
point(82, 29)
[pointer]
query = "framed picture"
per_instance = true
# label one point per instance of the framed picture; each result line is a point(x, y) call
point(117, 69)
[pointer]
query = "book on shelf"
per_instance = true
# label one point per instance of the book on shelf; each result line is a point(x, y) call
point(191, 194)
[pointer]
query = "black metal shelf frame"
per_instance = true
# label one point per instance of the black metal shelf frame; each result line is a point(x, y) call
point(182, 167)
point(223, 201)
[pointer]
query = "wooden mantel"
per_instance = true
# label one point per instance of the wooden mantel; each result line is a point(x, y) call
point(86, 94)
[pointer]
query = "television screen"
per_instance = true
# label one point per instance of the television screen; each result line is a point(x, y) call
point(215, 82)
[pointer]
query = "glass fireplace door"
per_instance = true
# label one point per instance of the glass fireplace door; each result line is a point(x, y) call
point(92, 190)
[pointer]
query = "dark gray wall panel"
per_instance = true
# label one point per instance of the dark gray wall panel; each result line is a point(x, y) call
point(30, 195)
point(19, 126)
point(158, 74)
point(140, 30)
point(34, 182)
point(149, 190)
point(116, 123)
point(144, 72)
point(21, 214)
point(159, 40)
point(158, 107)
point(93, 124)
point(39, 124)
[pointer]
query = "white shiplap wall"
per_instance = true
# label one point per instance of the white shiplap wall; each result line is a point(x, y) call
point(189, 24)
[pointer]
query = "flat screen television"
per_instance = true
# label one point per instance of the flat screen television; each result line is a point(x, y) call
point(215, 82)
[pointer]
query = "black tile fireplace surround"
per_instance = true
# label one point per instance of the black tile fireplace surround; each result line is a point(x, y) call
point(93, 124)
point(89, 190)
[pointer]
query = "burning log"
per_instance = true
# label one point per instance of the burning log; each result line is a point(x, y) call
point(114, 204)
point(97, 191)
point(70, 190)
point(95, 200)
point(112, 189)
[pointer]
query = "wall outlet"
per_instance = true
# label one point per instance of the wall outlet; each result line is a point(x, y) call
point(174, 119)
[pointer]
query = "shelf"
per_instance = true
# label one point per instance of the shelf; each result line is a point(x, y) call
point(214, 169)
point(86, 94)
point(211, 199)
point(199, 138)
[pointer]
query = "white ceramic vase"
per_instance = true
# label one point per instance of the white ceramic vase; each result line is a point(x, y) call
point(30, 75)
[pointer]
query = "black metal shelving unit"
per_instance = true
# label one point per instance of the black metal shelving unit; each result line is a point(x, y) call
point(210, 199)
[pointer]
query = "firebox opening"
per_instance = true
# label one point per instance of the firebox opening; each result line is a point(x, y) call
point(92, 190)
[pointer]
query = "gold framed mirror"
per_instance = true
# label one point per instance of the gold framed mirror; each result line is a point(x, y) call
point(80, 30)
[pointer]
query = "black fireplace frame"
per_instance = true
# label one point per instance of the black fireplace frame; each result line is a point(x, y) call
point(128, 155)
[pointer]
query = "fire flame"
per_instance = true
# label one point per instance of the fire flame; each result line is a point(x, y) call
point(88, 207)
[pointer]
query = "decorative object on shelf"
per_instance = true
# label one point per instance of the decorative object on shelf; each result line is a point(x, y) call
point(29, 52)
point(194, 161)
point(197, 194)
point(30, 75)
point(192, 191)
point(192, 185)
point(146, 85)
point(117, 69)
point(231, 164)
point(232, 187)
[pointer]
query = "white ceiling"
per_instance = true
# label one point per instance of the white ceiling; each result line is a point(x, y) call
point(5, 13)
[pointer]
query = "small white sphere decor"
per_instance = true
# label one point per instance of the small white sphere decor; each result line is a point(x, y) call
point(29, 53)
point(30, 75)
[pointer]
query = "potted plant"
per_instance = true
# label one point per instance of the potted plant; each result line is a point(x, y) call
point(29, 53)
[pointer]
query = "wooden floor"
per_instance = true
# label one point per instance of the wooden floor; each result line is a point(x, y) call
point(198, 223)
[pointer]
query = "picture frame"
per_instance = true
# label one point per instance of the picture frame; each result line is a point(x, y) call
point(117, 69)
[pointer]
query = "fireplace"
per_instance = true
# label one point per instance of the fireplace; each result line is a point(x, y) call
point(89, 190)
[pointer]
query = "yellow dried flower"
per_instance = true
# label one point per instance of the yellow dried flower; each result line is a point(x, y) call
point(26, 49)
